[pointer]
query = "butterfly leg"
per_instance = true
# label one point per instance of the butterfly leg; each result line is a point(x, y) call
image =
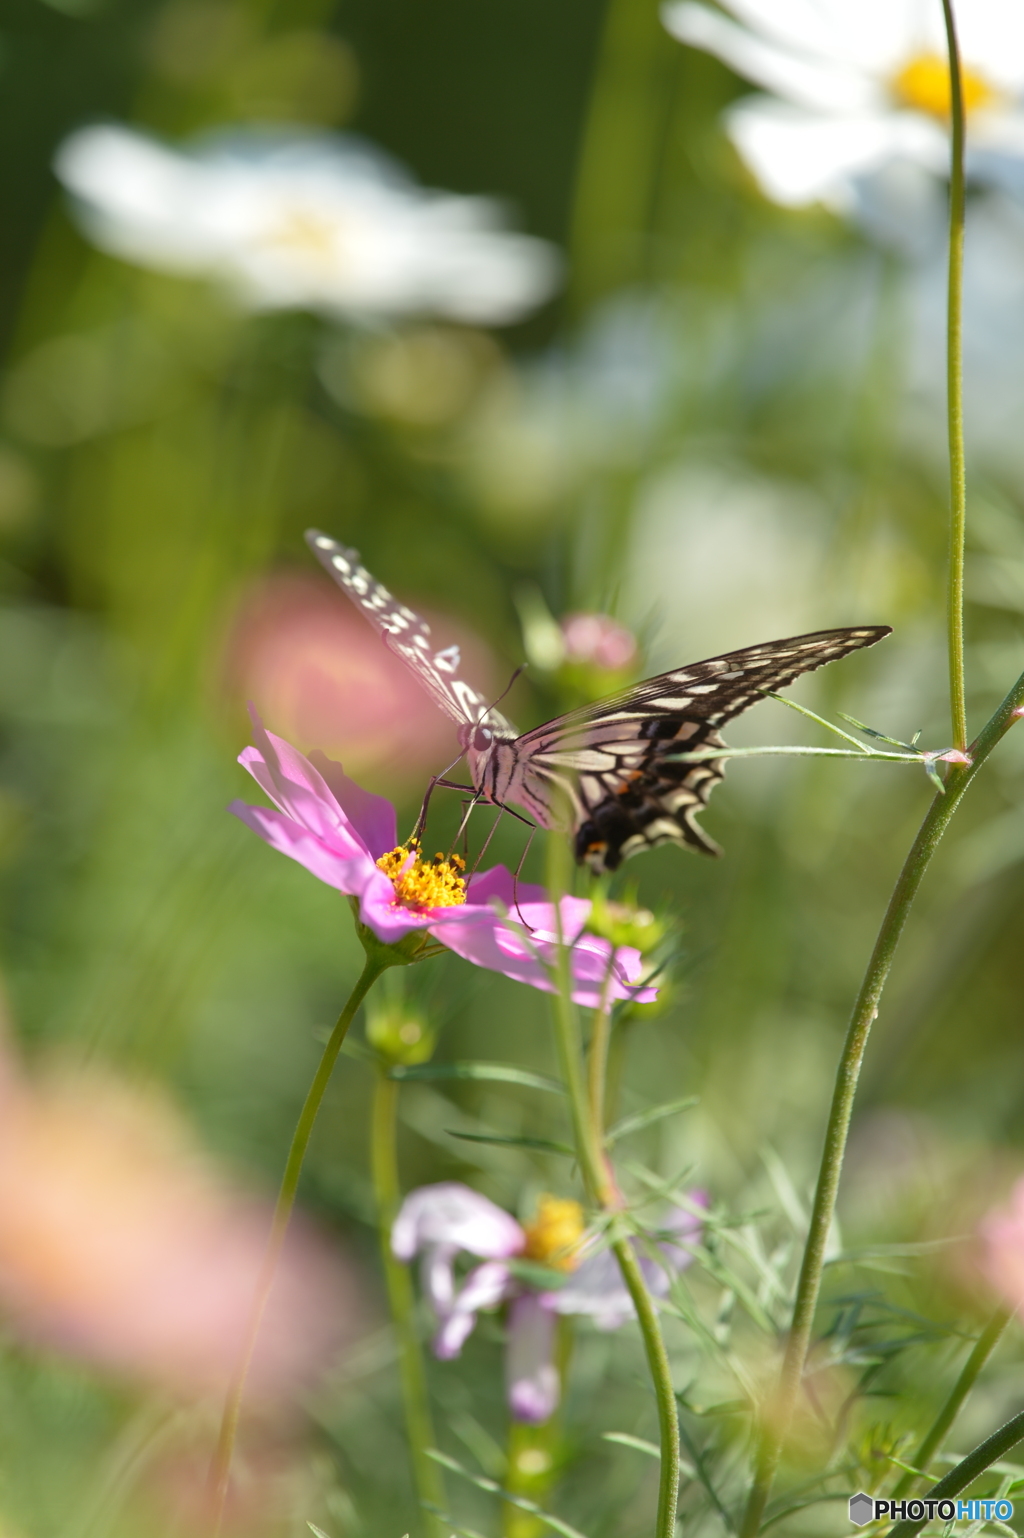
point(437, 779)
point(519, 868)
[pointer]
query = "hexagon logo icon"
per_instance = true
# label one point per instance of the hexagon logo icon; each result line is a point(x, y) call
point(862, 1509)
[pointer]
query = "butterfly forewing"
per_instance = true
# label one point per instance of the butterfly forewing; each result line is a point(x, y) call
point(612, 763)
point(407, 634)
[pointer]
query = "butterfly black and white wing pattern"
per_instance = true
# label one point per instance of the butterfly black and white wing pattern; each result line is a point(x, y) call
point(407, 634)
point(614, 764)
point(609, 772)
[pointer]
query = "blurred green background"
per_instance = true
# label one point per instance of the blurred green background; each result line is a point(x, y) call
point(718, 432)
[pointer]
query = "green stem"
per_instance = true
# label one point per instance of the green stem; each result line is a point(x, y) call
point(983, 1348)
point(220, 1467)
point(936, 820)
point(597, 1063)
point(661, 1373)
point(967, 1470)
point(387, 1191)
point(954, 389)
point(601, 1188)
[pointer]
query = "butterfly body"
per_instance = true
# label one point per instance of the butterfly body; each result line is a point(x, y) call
point(608, 772)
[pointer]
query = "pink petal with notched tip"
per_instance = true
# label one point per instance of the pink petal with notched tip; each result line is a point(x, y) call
point(530, 958)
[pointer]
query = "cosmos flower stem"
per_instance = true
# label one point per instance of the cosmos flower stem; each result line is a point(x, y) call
point(427, 1474)
point(954, 389)
point(601, 1188)
point(983, 1348)
point(220, 1467)
point(597, 1063)
point(937, 818)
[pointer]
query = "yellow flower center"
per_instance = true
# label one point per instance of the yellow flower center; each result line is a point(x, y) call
point(304, 232)
point(553, 1238)
point(421, 883)
point(924, 84)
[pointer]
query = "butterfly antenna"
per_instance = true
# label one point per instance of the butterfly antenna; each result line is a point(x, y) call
point(495, 703)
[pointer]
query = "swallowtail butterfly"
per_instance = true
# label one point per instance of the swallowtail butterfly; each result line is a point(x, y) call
point(610, 762)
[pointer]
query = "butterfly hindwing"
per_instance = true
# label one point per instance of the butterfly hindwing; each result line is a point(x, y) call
point(405, 633)
point(613, 761)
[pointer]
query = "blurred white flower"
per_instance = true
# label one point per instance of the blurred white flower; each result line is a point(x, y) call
point(322, 222)
point(858, 86)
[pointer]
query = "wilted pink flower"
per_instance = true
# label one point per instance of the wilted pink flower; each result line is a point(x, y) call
point(599, 641)
point(440, 1220)
point(316, 670)
point(118, 1244)
point(347, 837)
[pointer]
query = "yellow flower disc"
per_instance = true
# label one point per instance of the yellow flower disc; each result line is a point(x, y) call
point(555, 1233)
point(420, 883)
point(924, 84)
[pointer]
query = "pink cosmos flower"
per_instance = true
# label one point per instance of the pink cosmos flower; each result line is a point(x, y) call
point(440, 1220)
point(120, 1245)
point(347, 837)
point(320, 675)
point(1002, 1236)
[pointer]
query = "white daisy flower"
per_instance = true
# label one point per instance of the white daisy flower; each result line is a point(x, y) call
point(857, 86)
point(319, 222)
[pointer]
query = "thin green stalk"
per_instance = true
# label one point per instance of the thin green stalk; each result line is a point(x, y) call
point(983, 1348)
point(387, 1192)
point(936, 820)
point(597, 1062)
point(601, 1188)
point(955, 387)
point(967, 1470)
point(661, 1373)
point(220, 1467)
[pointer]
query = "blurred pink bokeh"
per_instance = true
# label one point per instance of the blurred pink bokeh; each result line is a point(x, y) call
point(321, 677)
point(120, 1244)
point(1002, 1248)
point(598, 641)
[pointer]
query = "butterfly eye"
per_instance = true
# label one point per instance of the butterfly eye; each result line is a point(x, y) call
point(482, 738)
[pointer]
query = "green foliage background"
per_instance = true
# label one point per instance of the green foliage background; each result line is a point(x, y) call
point(160, 449)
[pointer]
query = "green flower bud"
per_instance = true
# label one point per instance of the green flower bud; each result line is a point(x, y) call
point(398, 1032)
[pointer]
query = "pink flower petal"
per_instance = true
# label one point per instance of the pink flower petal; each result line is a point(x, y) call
point(288, 837)
point(372, 817)
point(532, 1377)
point(485, 1287)
point(452, 1213)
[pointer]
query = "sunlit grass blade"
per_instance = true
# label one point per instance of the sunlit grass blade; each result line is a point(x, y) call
point(493, 1488)
point(492, 1073)
point(630, 1124)
point(537, 1144)
point(625, 1440)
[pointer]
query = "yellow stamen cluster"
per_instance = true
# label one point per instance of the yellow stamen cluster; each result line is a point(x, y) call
point(924, 83)
point(421, 883)
point(554, 1236)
